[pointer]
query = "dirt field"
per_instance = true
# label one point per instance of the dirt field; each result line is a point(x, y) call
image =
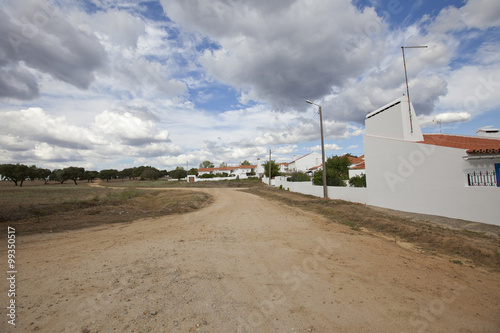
point(243, 264)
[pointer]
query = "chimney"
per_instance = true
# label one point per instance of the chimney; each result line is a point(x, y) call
point(488, 132)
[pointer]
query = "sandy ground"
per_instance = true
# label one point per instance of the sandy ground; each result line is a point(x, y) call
point(242, 264)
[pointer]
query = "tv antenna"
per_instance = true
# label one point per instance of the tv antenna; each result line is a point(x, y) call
point(406, 78)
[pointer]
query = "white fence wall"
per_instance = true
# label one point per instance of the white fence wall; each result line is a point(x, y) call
point(265, 180)
point(353, 194)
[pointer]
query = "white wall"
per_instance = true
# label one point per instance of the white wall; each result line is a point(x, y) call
point(353, 194)
point(393, 121)
point(427, 179)
point(356, 172)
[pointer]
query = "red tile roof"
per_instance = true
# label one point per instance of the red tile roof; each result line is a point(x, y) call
point(360, 166)
point(473, 144)
point(216, 169)
point(356, 160)
point(227, 168)
point(316, 167)
point(246, 167)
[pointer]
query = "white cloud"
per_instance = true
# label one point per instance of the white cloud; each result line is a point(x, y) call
point(328, 147)
point(152, 76)
point(284, 55)
point(128, 128)
point(36, 135)
point(34, 125)
point(480, 14)
point(443, 118)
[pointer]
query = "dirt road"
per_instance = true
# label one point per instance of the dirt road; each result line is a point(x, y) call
point(243, 264)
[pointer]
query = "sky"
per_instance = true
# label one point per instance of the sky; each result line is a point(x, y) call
point(115, 84)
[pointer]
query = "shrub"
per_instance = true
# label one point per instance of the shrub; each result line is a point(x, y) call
point(299, 177)
point(358, 181)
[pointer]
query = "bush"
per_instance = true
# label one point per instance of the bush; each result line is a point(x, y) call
point(207, 175)
point(333, 178)
point(300, 177)
point(358, 181)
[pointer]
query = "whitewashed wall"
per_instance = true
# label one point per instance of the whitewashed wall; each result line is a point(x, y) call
point(428, 179)
point(353, 194)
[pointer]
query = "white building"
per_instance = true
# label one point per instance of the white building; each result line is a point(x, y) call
point(448, 175)
point(305, 163)
point(242, 171)
point(357, 167)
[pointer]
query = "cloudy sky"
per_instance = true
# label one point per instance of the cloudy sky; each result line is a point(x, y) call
point(120, 83)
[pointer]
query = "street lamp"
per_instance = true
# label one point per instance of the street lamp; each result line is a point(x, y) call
point(325, 188)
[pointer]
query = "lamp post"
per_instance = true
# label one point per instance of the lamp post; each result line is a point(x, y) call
point(325, 188)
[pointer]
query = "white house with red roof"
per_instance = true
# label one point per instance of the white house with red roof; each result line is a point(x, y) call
point(242, 171)
point(305, 163)
point(449, 175)
point(357, 167)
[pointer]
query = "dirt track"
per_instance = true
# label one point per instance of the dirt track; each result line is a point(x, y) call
point(243, 264)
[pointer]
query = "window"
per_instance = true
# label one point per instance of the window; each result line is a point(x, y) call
point(483, 178)
point(497, 170)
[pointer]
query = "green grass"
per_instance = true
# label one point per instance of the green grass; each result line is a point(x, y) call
point(353, 225)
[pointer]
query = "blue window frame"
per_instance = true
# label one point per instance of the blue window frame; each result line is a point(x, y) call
point(497, 171)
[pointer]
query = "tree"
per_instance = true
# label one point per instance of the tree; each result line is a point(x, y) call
point(358, 181)
point(245, 162)
point(44, 174)
point(332, 178)
point(137, 172)
point(178, 173)
point(275, 169)
point(33, 172)
point(127, 173)
point(89, 176)
point(193, 171)
point(108, 174)
point(73, 173)
point(15, 173)
point(340, 164)
point(163, 173)
point(150, 173)
point(337, 171)
point(222, 165)
point(58, 175)
point(206, 164)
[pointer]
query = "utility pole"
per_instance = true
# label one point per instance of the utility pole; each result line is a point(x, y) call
point(406, 78)
point(269, 167)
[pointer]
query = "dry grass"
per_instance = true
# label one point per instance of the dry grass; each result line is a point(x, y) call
point(468, 246)
point(38, 209)
point(162, 183)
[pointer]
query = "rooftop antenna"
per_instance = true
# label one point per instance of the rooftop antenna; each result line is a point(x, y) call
point(406, 77)
point(438, 122)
